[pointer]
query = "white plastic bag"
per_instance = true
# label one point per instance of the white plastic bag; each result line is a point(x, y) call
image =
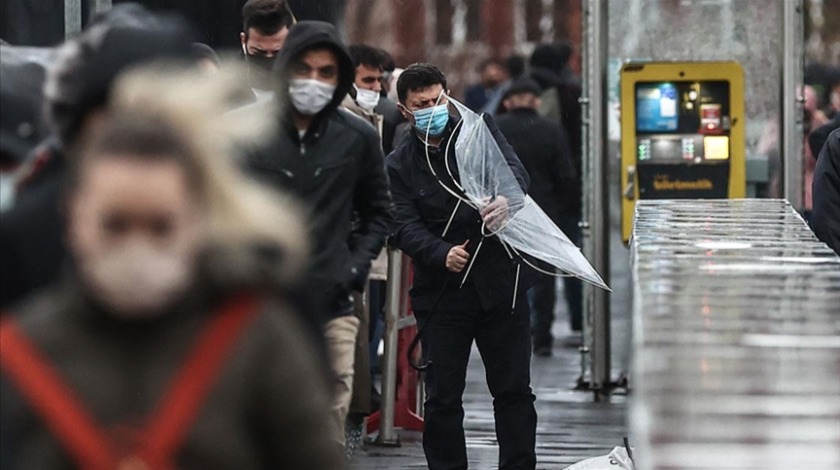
point(615, 460)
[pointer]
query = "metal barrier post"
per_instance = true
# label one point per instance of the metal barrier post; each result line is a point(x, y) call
point(792, 100)
point(102, 5)
point(596, 210)
point(72, 17)
point(393, 304)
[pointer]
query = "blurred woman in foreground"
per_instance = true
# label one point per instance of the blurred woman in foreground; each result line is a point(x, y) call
point(165, 348)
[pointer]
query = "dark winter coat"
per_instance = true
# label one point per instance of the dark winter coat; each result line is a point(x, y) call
point(391, 118)
point(819, 136)
point(32, 247)
point(544, 150)
point(335, 169)
point(825, 218)
point(565, 110)
point(423, 209)
point(267, 408)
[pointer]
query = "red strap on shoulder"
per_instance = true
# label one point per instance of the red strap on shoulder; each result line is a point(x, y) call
point(53, 400)
point(180, 405)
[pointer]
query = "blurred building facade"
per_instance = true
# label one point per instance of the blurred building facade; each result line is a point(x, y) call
point(458, 35)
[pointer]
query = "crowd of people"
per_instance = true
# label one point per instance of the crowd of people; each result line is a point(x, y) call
point(193, 267)
point(193, 273)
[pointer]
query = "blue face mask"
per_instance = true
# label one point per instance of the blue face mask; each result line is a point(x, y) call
point(431, 120)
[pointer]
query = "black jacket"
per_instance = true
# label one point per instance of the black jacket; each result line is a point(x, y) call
point(32, 247)
point(423, 209)
point(544, 150)
point(568, 95)
point(336, 169)
point(819, 136)
point(825, 218)
point(391, 118)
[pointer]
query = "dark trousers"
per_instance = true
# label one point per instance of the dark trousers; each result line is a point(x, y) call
point(543, 294)
point(503, 339)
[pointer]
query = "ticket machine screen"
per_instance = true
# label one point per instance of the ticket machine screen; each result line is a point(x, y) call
point(682, 138)
point(656, 107)
point(682, 121)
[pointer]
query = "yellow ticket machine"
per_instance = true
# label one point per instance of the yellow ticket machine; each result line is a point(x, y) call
point(682, 133)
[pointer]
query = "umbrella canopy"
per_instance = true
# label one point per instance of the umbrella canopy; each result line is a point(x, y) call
point(485, 176)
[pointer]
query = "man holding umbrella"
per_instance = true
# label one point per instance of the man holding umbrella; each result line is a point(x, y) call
point(466, 287)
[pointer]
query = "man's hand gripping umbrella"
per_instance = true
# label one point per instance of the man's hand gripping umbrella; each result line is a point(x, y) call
point(487, 184)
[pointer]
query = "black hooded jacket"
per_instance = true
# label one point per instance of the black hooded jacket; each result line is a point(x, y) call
point(825, 219)
point(335, 169)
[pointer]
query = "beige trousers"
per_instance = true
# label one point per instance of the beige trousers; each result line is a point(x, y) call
point(340, 334)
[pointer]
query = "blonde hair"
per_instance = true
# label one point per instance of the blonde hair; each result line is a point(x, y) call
point(241, 213)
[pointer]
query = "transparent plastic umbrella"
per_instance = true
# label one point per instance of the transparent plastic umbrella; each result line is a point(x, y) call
point(525, 229)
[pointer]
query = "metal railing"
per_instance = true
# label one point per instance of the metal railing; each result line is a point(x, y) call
point(736, 338)
point(73, 14)
point(595, 226)
point(393, 310)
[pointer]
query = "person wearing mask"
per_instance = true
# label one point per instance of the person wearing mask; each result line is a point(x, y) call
point(825, 218)
point(544, 150)
point(365, 95)
point(442, 235)
point(31, 245)
point(332, 162)
point(363, 101)
point(560, 103)
point(265, 26)
point(169, 344)
point(493, 74)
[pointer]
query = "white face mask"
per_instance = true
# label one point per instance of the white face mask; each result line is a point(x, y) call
point(7, 190)
point(310, 96)
point(138, 279)
point(367, 99)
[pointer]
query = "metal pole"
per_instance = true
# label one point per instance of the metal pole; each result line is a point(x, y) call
point(393, 305)
point(72, 17)
point(792, 98)
point(596, 188)
point(101, 5)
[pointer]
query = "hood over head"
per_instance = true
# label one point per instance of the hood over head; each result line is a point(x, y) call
point(306, 35)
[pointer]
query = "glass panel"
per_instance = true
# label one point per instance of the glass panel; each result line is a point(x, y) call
point(711, 30)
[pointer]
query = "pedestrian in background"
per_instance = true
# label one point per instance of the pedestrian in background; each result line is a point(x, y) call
point(560, 104)
point(825, 219)
point(332, 162)
point(492, 74)
point(265, 26)
point(545, 153)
